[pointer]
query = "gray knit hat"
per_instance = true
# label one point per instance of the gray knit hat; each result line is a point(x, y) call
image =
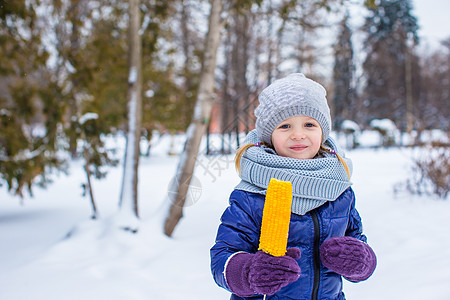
point(291, 96)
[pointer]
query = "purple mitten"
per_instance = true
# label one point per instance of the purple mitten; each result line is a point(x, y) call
point(261, 273)
point(349, 257)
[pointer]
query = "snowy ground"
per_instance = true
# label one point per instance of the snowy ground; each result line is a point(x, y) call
point(50, 249)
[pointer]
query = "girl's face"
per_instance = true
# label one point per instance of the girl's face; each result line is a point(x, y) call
point(297, 137)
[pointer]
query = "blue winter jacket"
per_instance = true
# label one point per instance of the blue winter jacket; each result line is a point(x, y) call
point(240, 230)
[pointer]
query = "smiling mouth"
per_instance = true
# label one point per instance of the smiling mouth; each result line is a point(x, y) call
point(298, 148)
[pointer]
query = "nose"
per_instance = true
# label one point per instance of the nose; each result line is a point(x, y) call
point(298, 134)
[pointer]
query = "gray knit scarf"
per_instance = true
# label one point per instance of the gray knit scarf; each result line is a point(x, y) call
point(314, 181)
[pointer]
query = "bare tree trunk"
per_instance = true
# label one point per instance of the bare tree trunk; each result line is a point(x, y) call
point(187, 42)
point(128, 196)
point(226, 98)
point(235, 101)
point(239, 63)
point(87, 163)
point(408, 88)
point(269, 45)
point(89, 187)
point(196, 129)
point(75, 13)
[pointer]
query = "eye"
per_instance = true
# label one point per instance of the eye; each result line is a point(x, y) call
point(284, 126)
point(310, 125)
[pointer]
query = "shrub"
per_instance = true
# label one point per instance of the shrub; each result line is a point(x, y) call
point(431, 174)
point(352, 131)
point(387, 130)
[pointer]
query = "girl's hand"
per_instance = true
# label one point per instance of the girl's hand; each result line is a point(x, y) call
point(349, 257)
point(261, 273)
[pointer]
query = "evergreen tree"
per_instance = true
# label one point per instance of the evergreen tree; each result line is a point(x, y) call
point(29, 107)
point(170, 73)
point(389, 27)
point(91, 70)
point(344, 106)
point(106, 54)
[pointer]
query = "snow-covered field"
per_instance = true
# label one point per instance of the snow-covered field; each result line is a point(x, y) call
point(50, 249)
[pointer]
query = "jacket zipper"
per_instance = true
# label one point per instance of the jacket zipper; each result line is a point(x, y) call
point(315, 290)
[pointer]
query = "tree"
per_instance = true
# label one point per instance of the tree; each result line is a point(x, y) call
point(200, 120)
point(95, 154)
point(166, 103)
point(236, 91)
point(343, 105)
point(75, 67)
point(29, 107)
point(129, 212)
point(433, 109)
point(389, 27)
point(226, 99)
point(89, 66)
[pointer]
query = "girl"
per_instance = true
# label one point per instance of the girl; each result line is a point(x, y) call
point(291, 142)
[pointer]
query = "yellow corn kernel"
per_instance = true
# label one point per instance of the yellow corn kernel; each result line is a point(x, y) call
point(276, 218)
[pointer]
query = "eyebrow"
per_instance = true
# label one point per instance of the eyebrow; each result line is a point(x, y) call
point(311, 118)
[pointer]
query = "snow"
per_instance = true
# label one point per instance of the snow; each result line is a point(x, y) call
point(388, 132)
point(70, 68)
point(126, 216)
point(132, 77)
point(50, 249)
point(145, 23)
point(5, 112)
point(22, 155)
point(34, 131)
point(149, 93)
point(431, 14)
point(87, 116)
point(350, 126)
point(198, 110)
point(384, 124)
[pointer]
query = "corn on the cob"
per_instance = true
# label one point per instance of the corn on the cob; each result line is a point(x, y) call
point(276, 218)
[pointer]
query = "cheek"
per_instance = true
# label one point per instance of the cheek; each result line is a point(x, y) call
point(320, 136)
point(275, 144)
point(278, 142)
point(318, 139)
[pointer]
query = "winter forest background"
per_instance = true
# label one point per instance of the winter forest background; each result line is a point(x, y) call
point(96, 97)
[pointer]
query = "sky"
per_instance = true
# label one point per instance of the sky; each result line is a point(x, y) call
point(432, 17)
point(433, 20)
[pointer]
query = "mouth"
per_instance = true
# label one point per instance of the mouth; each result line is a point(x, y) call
point(298, 147)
